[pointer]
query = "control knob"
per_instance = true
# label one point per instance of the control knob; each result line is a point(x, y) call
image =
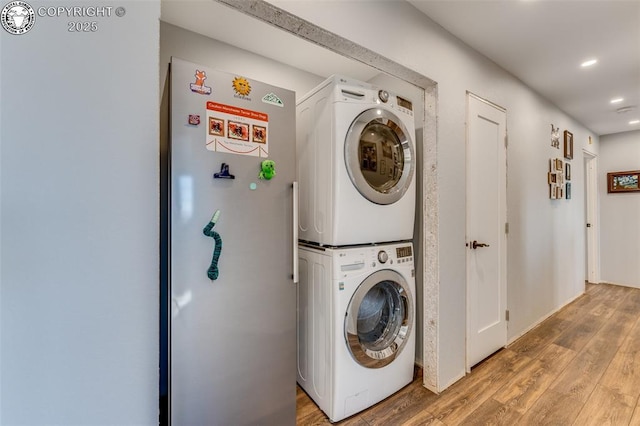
point(383, 256)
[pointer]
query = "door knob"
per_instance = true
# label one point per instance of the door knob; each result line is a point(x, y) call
point(475, 245)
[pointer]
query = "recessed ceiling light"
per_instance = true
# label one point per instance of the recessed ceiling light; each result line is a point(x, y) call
point(589, 63)
point(634, 122)
point(617, 100)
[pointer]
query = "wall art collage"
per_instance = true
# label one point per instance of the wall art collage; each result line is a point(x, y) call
point(559, 176)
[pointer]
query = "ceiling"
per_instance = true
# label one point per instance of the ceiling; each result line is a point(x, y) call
point(544, 42)
point(541, 42)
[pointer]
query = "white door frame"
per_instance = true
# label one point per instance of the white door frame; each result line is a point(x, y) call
point(502, 219)
point(592, 228)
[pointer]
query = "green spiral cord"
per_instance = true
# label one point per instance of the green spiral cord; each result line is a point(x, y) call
point(213, 271)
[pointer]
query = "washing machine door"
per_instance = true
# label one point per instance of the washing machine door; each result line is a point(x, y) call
point(379, 319)
point(379, 156)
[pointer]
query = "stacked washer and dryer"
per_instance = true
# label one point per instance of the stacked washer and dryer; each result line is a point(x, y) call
point(356, 296)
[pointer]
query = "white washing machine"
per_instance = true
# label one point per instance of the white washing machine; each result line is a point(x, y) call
point(356, 164)
point(356, 325)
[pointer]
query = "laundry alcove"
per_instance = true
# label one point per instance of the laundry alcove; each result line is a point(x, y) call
point(323, 53)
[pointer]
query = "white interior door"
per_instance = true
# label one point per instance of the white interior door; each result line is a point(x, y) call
point(591, 216)
point(486, 229)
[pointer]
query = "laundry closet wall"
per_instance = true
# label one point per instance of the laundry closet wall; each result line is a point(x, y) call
point(193, 47)
point(546, 242)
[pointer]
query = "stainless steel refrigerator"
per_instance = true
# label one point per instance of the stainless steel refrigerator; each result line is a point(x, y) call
point(232, 246)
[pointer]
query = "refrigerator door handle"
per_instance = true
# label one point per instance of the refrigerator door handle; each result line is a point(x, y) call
point(295, 232)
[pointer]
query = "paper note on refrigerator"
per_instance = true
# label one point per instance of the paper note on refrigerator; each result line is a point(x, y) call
point(236, 130)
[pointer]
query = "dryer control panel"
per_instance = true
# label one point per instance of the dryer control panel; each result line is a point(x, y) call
point(369, 94)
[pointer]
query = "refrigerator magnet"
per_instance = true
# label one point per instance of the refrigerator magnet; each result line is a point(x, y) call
point(194, 119)
point(199, 86)
point(267, 169)
point(224, 172)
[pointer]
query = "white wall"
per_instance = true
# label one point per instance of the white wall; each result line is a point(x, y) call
point(79, 221)
point(619, 212)
point(546, 240)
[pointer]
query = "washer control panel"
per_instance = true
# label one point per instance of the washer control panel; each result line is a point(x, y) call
point(352, 261)
point(404, 253)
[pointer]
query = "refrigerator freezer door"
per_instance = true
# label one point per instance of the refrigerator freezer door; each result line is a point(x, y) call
point(233, 347)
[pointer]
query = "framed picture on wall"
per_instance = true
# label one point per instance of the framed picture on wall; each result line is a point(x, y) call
point(568, 145)
point(559, 164)
point(555, 178)
point(567, 173)
point(623, 181)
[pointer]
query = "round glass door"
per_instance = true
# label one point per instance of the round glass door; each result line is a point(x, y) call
point(379, 156)
point(379, 319)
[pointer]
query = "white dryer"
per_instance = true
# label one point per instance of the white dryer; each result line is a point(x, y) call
point(356, 164)
point(356, 325)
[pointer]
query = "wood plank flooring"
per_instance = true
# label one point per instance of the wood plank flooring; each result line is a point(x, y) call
point(580, 367)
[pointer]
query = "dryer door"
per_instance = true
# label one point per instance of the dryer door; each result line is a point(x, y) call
point(379, 156)
point(379, 319)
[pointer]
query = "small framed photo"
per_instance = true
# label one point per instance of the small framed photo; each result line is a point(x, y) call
point(567, 173)
point(556, 179)
point(568, 145)
point(259, 134)
point(559, 164)
point(623, 181)
point(238, 131)
point(216, 126)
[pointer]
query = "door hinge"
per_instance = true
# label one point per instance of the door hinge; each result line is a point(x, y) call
point(506, 141)
point(506, 315)
point(506, 228)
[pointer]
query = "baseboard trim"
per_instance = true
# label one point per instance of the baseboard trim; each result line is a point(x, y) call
point(618, 284)
point(541, 320)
